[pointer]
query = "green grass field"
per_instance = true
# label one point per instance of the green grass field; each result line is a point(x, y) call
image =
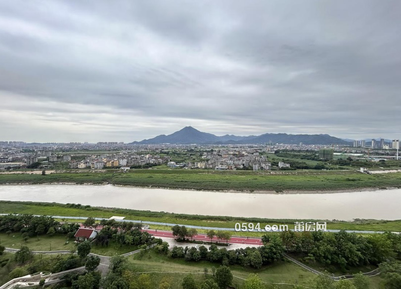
point(218, 180)
point(161, 267)
point(41, 243)
point(57, 242)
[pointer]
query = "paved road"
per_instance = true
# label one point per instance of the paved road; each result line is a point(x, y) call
point(201, 237)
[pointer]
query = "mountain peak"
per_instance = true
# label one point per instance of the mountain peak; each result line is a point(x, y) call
point(190, 135)
point(189, 128)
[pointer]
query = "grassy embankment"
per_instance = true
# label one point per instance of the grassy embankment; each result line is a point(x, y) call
point(161, 267)
point(197, 220)
point(58, 242)
point(217, 180)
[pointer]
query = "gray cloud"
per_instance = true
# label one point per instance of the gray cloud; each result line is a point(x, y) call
point(130, 70)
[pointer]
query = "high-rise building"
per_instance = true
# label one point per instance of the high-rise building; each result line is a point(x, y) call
point(381, 143)
point(359, 143)
point(326, 154)
point(374, 145)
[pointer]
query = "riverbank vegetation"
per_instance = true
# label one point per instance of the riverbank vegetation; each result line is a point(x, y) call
point(340, 252)
point(77, 210)
point(305, 180)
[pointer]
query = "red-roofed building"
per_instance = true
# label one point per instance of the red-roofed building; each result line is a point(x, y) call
point(84, 234)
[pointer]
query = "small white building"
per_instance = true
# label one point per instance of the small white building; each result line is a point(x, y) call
point(283, 165)
point(81, 165)
point(97, 165)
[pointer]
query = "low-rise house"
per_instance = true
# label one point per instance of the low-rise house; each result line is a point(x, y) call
point(81, 165)
point(97, 165)
point(66, 158)
point(85, 234)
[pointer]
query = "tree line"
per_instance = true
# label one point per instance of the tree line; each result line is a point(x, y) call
point(342, 250)
point(272, 251)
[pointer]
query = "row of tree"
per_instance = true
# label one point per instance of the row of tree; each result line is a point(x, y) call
point(182, 233)
point(30, 226)
point(272, 251)
point(342, 249)
point(131, 236)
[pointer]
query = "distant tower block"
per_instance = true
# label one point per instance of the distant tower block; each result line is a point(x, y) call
point(396, 145)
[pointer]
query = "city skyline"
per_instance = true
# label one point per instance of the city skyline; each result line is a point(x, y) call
point(74, 71)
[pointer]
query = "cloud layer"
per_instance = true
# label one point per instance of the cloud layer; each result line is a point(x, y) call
point(128, 70)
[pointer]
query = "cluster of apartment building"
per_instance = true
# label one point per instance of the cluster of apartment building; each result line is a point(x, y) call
point(377, 144)
point(114, 161)
point(230, 160)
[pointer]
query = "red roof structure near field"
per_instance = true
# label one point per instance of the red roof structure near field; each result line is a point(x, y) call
point(85, 234)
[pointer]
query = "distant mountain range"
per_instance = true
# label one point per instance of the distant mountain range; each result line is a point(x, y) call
point(190, 135)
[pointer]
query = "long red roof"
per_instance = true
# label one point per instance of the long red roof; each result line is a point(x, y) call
point(86, 233)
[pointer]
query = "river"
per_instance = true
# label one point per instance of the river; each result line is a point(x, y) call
point(379, 204)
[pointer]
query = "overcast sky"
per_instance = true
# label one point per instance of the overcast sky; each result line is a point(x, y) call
point(129, 70)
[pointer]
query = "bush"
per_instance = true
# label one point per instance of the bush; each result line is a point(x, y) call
point(23, 255)
point(18, 272)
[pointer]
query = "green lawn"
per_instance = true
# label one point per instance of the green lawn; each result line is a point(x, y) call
point(283, 272)
point(161, 267)
point(113, 249)
point(57, 242)
point(40, 243)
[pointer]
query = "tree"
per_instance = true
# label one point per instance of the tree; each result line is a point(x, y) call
point(180, 232)
point(92, 262)
point(256, 260)
point(40, 229)
point(18, 272)
point(117, 264)
point(223, 277)
point(273, 251)
point(89, 222)
point(183, 233)
point(42, 282)
point(361, 281)
point(176, 230)
point(51, 232)
point(114, 281)
point(220, 235)
point(86, 281)
point(84, 249)
point(165, 283)
point(23, 255)
point(2, 248)
point(192, 232)
point(189, 282)
point(391, 273)
point(211, 234)
point(227, 236)
point(323, 282)
point(25, 236)
point(253, 282)
point(209, 284)
point(144, 281)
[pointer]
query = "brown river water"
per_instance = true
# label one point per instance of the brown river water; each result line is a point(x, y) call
point(379, 204)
